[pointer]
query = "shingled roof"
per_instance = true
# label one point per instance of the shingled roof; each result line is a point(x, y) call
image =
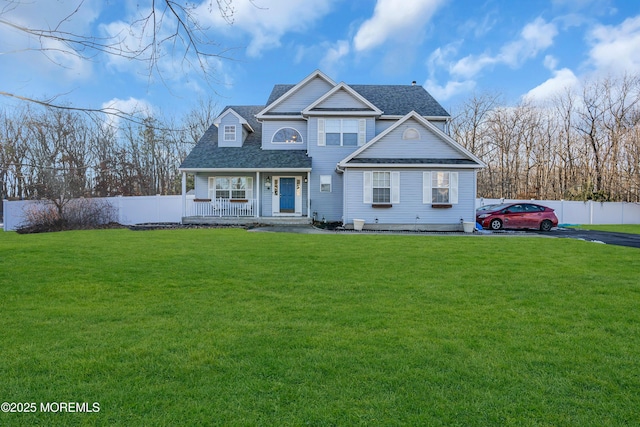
point(393, 100)
point(207, 155)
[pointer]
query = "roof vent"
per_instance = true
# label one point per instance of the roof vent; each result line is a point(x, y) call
point(413, 83)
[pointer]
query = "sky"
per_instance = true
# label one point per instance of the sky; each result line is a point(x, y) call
point(454, 48)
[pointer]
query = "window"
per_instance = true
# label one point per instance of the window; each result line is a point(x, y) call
point(325, 183)
point(341, 132)
point(229, 132)
point(411, 133)
point(440, 188)
point(233, 187)
point(381, 188)
point(287, 136)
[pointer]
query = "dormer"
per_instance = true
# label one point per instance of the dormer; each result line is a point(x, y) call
point(342, 100)
point(232, 129)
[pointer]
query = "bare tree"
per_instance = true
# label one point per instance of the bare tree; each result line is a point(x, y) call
point(166, 27)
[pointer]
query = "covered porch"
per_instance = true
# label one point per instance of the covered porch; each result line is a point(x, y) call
point(241, 197)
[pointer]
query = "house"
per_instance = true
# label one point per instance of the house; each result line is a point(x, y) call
point(326, 151)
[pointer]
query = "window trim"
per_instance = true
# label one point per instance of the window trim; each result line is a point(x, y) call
point(367, 188)
point(248, 190)
point(411, 134)
point(326, 178)
point(361, 132)
point(427, 189)
point(301, 141)
point(229, 130)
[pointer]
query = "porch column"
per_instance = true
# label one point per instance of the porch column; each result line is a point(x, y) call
point(184, 195)
point(258, 190)
point(309, 195)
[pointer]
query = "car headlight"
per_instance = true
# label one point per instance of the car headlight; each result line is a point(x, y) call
point(483, 216)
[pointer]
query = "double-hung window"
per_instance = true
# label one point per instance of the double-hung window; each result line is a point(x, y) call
point(231, 187)
point(381, 187)
point(229, 132)
point(440, 188)
point(341, 132)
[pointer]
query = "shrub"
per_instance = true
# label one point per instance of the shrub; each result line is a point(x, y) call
point(77, 214)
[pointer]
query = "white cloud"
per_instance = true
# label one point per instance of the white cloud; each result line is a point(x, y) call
point(535, 37)
point(451, 89)
point(266, 22)
point(334, 55)
point(116, 107)
point(615, 48)
point(44, 57)
point(561, 80)
point(550, 62)
point(394, 20)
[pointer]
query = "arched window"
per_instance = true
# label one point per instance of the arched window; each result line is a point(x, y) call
point(411, 133)
point(287, 136)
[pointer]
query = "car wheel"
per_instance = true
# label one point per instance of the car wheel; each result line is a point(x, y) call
point(546, 225)
point(495, 224)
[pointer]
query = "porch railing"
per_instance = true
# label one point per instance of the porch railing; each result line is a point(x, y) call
point(222, 207)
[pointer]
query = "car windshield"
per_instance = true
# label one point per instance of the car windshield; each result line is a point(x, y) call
point(492, 207)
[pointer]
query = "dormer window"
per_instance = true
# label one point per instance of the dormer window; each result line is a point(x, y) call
point(411, 133)
point(229, 132)
point(287, 136)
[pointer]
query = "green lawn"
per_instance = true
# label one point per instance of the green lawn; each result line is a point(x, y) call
point(626, 228)
point(229, 327)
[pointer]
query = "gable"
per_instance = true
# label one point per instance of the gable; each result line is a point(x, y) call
point(342, 100)
point(412, 141)
point(339, 100)
point(297, 98)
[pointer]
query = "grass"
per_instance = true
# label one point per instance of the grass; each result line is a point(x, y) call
point(227, 327)
point(616, 228)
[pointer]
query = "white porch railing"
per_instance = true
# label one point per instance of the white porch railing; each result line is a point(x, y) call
point(222, 207)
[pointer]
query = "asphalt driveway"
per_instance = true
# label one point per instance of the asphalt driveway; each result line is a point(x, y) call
point(620, 239)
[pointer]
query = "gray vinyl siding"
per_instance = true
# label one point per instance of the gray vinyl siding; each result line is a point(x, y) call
point(382, 125)
point(325, 159)
point(428, 146)
point(411, 209)
point(306, 95)
point(269, 128)
point(230, 119)
point(342, 99)
point(201, 185)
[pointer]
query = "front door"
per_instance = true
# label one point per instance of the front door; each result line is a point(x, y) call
point(287, 195)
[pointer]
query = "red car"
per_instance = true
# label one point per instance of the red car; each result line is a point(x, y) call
point(516, 215)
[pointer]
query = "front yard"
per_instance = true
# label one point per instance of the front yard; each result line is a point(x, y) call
point(227, 327)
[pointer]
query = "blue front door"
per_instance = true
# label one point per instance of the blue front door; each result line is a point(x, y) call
point(287, 195)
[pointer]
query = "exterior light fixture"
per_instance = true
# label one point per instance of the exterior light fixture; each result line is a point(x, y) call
point(267, 183)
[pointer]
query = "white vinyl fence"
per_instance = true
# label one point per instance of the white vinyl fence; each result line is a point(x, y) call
point(589, 212)
point(158, 209)
point(130, 210)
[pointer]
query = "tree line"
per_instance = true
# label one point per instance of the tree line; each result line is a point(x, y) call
point(59, 154)
point(581, 145)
